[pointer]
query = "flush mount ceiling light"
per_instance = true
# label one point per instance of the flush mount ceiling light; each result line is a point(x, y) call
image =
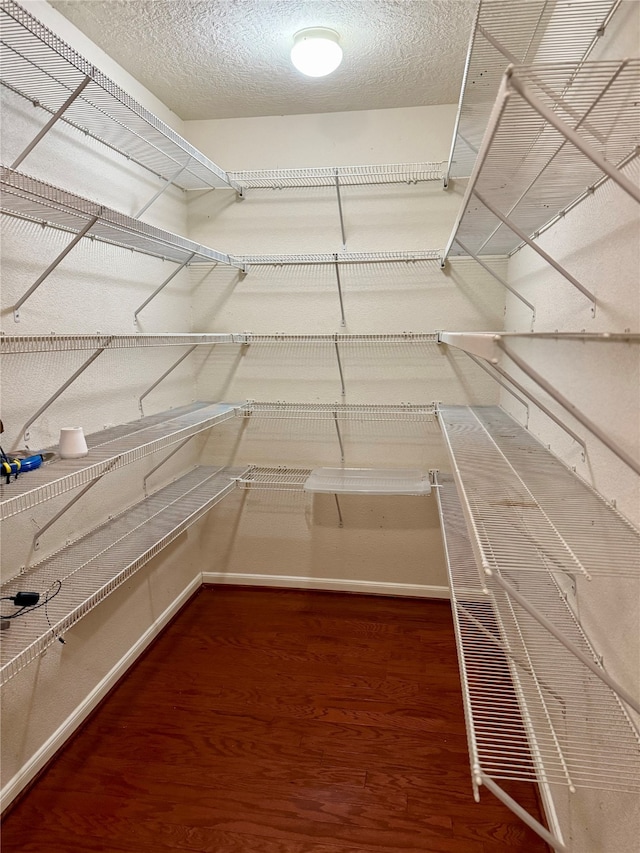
point(316, 51)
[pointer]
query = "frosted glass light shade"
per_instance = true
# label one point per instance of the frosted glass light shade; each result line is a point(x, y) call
point(316, 52)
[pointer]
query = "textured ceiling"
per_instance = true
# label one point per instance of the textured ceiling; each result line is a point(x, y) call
point(228, 58)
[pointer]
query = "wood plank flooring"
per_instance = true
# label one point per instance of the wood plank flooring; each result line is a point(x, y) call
point(277, 721)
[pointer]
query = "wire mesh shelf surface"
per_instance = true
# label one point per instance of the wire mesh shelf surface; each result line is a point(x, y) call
point(37, 201)
point(530, 511)
point(45, 70)
point(340, 258)
point(343, 175)
point(283, 338)
point(109, 450)
point(13, 344)
point(512, 32)
point(274, 478)
point(93, 566)
point(534, 711)
point(338, 411)
point(528, 170)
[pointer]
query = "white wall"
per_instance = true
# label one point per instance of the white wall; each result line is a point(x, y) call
point(391, 544)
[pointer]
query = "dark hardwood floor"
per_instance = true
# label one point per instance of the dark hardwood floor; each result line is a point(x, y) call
point(277, 721)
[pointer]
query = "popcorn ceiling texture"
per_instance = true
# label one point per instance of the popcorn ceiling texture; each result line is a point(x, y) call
point(223, 59)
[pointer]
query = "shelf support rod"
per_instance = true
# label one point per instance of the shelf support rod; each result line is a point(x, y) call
point(63, 388)
point(63, 254)
point(337, 266)
point(523, 814)
point(337, 425)
point(545, 255)
point(498, 278)
point(535, 400)
point(575, 138)
point(339, 197)
point(166, 459)
point(570, 407)
point(67, 506)
point(54, 118)
point(340, 523)
point(499, 107)
point(162, 286)
point(167, 184)
point(463, 88)
point(591, 664)
point(164, 375)
point(335, 343)
point(500, 381)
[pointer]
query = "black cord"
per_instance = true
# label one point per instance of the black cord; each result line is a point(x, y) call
point(28, 608)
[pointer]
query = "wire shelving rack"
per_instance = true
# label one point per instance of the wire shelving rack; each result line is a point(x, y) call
point(538, 703)
point(340, 411)
point(91, 568)
point(339, 258)
point(32, 199)
point(533, 711)
point(42, 68)
point(511, 32)
point(327, 176)
point(109, 450)
point(529, 169)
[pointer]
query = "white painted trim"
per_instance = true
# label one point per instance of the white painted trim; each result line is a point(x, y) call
point(68, 727)
point(334, 584)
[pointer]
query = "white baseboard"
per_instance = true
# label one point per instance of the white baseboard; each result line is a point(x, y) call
point(332, 584)
point(46, 752)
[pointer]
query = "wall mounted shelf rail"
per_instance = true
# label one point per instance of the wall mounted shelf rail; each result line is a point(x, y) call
point(88, 570)
point(14, 344)
point(329, 176)
point(109, 450)
point(533, 711)
point(331, 411)
point(52, 75)
point(340, 258)
point(555, 131)
point(512, 32)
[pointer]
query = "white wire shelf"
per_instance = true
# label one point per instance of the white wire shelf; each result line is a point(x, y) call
point(95, 565)
point(534, 712)
point(338, 411)
point(109, 450)
point(46, 71)
point(34, 200)
point(529, 171)
point(340, 258)
point(512, 32)
point(532, 513)
point(277, 478)
point(396, 173)
point(14, 344)
point(280, 338)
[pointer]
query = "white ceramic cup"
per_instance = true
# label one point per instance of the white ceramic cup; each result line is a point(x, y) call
point(72, 443)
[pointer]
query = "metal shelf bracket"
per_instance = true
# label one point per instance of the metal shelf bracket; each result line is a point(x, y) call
point(164, 376)
point(63, 254)
point(54, 118)
point(63, 388)
point(178, 269)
